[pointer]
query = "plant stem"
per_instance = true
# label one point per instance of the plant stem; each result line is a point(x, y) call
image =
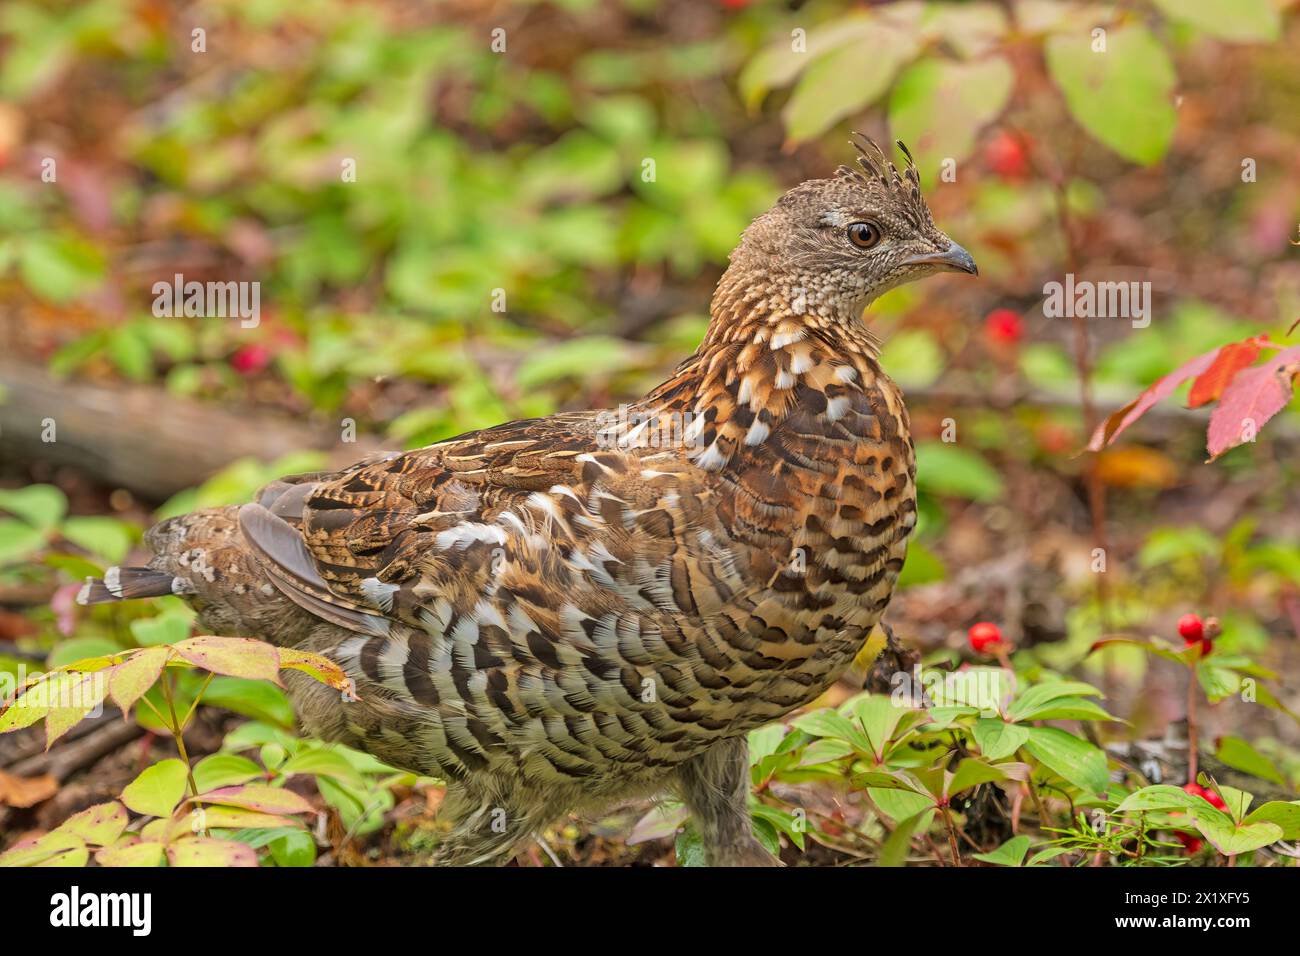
point(194, 705)
point(1191, 724)
point(1043, 819)
point(175, 728)
point(1057, 175)
point(952, 836)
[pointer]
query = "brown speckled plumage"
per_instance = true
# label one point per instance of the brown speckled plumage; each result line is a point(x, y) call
point(555, 613)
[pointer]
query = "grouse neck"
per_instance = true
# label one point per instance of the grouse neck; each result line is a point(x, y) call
point(770, 349)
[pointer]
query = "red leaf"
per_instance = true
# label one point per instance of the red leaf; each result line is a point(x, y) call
point(1230, 360)
point(1117, 421)
point(1254, 396)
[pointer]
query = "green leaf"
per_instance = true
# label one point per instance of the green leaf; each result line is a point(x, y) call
point(1183, 656)
point(1243, 21)
point(1284, 815)
point(782, 821)
point(255, 733)
point(157, 790)
point(272, 756)
point(1231, 839)
point(942, 716)
point(18, 539)
point(143, 853)
point(296, 848)
point(1236, 801)
point(1160, 797)
point(831, 723)
point(939, 106)
point(780, 63)
point(1068, 708)
point(32, 705)
point(914, 358)
point(1043, 856)
point(845, 80)
point(1071, 758)
point(74, 696)
point(1039, 695)
point(886, 780)
point(262, 836)
point(128, 681)
point(105, 537)
point(320, 762)
point(764, 741)
point(689, 847)
point(825, 750)
point(1218, 682)
point(997, 739)
point(1011, 853)
point(922, 566)
point(943, 468)
point(169, 628)
point(971, 773)
point(588, 358)
point(894, 850)
point(224, 770)
point(131, 354)
point(1122, 96)
point(361, 809)
point(81, 648)
point(878, 716)
point(99, 825)
point(52, 849)
point(252, 698)
point(41, 506)
point(900, 804)
point(59, 268)
point(315, 666)
point(971, 29)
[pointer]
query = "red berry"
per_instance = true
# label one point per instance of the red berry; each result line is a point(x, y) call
point(1191, 844)
point(1191, 628)
point(250, 359)
point(1005, 155)
point(983, 634)
point(1209, 796)
point(1055, 439)
point(1004, 326)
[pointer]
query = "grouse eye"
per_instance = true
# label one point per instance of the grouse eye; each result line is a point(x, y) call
point(864, 235)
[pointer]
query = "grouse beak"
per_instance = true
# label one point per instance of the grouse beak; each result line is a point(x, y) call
point(954, 258)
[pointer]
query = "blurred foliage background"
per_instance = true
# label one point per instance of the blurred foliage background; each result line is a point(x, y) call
point(387, 176)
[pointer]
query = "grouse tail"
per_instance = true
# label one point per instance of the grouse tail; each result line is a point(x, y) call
point(127, 584)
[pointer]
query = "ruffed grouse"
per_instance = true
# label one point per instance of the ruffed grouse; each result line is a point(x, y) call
point(557, 613)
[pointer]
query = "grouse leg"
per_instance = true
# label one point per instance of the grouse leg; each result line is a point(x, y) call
point(715, 786)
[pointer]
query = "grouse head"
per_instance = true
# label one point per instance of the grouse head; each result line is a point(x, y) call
point(833, 245)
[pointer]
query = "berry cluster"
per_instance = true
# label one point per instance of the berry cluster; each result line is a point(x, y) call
point(1195, 631)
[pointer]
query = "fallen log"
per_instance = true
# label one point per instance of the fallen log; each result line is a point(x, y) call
point(142, 438)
